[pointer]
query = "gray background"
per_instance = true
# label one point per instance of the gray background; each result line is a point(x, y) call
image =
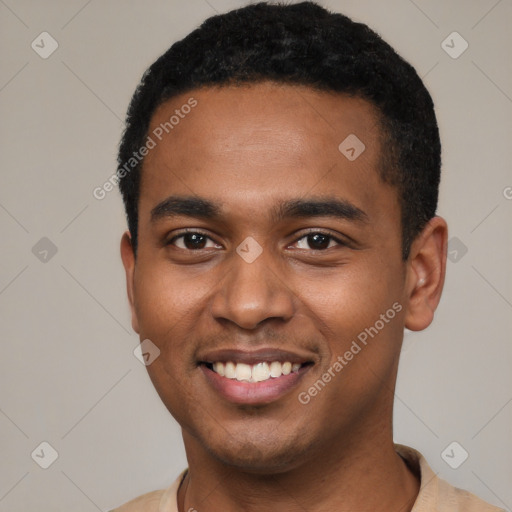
point(68, 374)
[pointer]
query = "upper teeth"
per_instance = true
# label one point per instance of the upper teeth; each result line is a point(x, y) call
point(256, 372)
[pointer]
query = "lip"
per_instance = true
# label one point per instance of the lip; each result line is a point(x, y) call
point(254, 356)
point(253, 393)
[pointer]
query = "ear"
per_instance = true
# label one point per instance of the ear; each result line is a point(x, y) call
point(128, 257)
point(426, 268)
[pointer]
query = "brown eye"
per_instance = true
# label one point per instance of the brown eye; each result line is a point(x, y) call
point(192, 241)
point(317, 241)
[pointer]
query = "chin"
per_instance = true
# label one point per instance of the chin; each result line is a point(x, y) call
point(259, 454)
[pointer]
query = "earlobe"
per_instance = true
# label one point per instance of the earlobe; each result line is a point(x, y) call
point(128, 257)
point(426, 270)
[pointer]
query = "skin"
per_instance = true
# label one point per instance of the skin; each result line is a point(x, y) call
point(250, 148)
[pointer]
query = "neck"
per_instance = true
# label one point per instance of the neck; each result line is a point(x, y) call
point(348, 476)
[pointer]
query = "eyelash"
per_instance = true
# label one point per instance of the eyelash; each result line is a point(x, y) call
point(305, 235)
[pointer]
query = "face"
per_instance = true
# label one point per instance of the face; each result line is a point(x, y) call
point(269, 273)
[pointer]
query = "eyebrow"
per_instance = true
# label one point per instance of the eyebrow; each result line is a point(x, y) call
point(201, 208)
point(325, 207)
point(175, 206)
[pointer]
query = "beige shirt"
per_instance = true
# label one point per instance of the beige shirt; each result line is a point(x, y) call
point(435, 494)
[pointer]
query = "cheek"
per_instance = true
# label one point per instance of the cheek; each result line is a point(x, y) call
point(166, 307)
point(165, 295)
point(172, 306)
point(353, 294)
point(358, 303)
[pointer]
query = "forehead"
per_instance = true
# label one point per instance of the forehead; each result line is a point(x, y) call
point(259, 142)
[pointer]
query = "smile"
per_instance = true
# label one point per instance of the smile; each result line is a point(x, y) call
point(258, 372)
point(256, 377)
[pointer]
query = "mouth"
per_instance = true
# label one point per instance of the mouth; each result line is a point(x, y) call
point(258, 377)
point(259, 372)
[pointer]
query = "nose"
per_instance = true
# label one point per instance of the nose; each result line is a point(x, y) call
point(252, 293)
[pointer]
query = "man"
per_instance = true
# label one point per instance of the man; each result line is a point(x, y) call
point(280, 172)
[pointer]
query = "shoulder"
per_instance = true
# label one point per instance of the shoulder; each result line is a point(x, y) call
point(148, 502)
point(437, 494)
point(155, 501)
point(467, 502)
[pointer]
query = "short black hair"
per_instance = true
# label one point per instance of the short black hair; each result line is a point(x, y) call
point(300, 44)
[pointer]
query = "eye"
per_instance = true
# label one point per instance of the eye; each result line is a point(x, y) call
point(192, 240)
point(318, 241)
